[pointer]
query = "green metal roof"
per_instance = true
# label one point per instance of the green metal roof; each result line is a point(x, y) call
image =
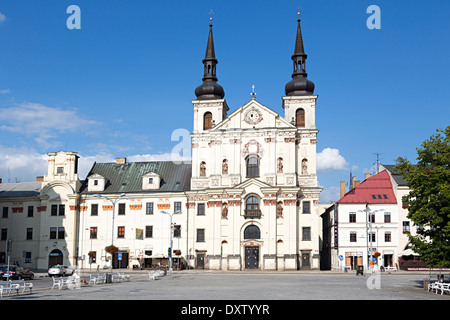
point(127, 177)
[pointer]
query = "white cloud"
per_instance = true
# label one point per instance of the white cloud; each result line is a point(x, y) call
point(2, 17)
point(5, 91)
point(42, 122)
point(328, 195)
point(329, 159)
point(22, 164)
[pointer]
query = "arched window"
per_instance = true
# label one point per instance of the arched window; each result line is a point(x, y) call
point(252, 166)
point(252, 208)
point(252, 232)
point(207, 121)
point(203, 169)
point(300, 118)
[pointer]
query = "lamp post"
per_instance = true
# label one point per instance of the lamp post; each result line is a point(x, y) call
point(171, 241)
point(113, 202)
point(369, 221)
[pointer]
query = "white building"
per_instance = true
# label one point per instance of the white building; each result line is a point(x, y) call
point(368, 220)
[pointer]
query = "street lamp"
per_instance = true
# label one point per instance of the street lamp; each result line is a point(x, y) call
point(369, 220)
point(113, 202)
point(171, 242)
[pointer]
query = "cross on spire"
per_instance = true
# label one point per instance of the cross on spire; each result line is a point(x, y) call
point(253, 92)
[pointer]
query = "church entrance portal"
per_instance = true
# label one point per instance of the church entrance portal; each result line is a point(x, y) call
point(252, 257)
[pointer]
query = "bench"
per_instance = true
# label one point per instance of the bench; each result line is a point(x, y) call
point(153, 275)
point(124, 276)
point(57, 282)
point(390, 269)
point(443, 287)
point(97, 278)
point(16, 285)
point(116, 276)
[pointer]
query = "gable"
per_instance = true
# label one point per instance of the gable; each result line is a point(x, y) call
point(253, 115)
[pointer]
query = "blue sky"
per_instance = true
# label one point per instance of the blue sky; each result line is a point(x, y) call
point(123, 83)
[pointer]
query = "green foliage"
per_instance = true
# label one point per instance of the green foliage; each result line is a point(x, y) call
point(429, 198)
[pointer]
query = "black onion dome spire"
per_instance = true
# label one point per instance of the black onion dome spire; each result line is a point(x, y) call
point(209, 89)
point(299, 85)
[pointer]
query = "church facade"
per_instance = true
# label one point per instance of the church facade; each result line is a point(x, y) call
point(248, 200)
point(254, 196)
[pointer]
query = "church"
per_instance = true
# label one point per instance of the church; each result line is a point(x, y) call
point(248, 200)
point(254, 194)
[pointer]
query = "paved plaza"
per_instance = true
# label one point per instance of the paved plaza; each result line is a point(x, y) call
point(206, 285)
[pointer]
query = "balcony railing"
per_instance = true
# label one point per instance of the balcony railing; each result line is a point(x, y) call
point(252, 214)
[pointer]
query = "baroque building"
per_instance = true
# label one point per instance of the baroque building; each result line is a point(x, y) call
point(254, 196)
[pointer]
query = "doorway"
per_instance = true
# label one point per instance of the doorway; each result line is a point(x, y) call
point(55, 257)
point(306, 262)
point(252, 257)
point(200, 261)
point(123, 263)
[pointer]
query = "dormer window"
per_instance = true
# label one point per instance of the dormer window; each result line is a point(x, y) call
point(96, 183)
point(151, 181)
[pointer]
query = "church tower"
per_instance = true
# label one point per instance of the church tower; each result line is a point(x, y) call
point(210, 108)
point(299, 109)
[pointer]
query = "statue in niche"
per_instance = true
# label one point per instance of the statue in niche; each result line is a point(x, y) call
point(279, 210)
point(304, 166)
point(202, 169)
point(225, 211)
point(280, 165)
point(225, 166)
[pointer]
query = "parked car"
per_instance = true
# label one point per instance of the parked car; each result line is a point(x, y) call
point(60, 270)
point(16, 273)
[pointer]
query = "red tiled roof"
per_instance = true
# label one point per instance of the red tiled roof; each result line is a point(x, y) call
point(376, 189)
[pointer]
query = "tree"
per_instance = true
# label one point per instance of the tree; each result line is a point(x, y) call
point(429, 198)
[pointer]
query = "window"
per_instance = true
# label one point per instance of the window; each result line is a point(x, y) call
point(373, 237)
point(149, 208)
point(252, 207)
point(300, 118)
point(252, 232)
point(374, 196)
point(352, 236)
point(122, 209)
point(29, 234)
point(62, 210)
point(201, 209)
point(177, 207)
point(252, 166)
point(27, 257)
point(94, 209)
point(54, 211)
point(95, 182)
point(372, 217)
point(93, 234)
point(53, 233)
point(120, 232)
point(385, 196)
point(306, 233)
point(177, 231)
point(59, 170)
point(200, 235)
point(405, 227)
point(379, 196)
point(150, 180)
point(387, 236)
point(306, 207)
point(61, 233)
point(207, 121)
point(352, 217)
point(149, 231)
point(30, 211)
point(4, 235)
point(5, 212)
point(387, 217)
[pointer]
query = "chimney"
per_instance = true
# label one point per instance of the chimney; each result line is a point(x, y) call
point(40, 178)
point(121, 160)
point(353, 182)
point(367, 176)
point(342, 188)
